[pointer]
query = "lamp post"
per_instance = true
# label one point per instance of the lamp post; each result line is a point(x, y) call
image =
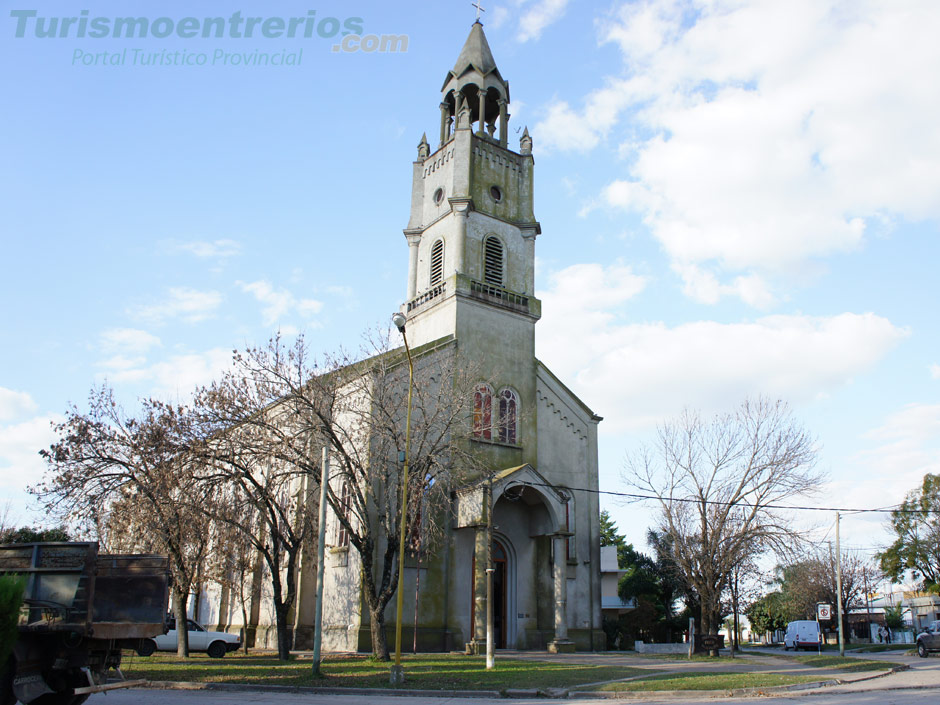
point(397, 674)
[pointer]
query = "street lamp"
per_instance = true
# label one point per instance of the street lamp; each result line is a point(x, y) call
point(397, 674)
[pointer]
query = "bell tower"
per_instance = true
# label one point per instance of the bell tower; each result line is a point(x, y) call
point(471, 234)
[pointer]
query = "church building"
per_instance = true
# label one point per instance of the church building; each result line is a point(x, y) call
point(471, 282)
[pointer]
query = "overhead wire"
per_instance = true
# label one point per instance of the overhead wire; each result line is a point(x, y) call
point(694, 500)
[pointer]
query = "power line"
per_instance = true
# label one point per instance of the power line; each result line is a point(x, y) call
point(743, 504)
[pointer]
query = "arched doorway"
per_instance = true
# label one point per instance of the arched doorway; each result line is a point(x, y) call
point(500, 594)
point(500, 585)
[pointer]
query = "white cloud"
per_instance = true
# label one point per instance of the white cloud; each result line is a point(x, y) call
point(765, 134)
point(915, 423)
point(20, 463)
point(279, 303)
point(175, 377)
point(216, 249)
point(128, 340)
point(539, 15)
point(497, 17)
point(906, 447)
point(637, 374)
point(191, 305)
point(935, 371)
point(703, 286)
point(14, 404)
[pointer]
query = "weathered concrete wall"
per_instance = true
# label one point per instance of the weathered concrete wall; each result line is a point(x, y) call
point(642, 648)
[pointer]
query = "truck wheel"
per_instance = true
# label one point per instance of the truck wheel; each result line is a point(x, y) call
point(921, 649)
point(216, 649)
point(146, 647)
point(6, 684)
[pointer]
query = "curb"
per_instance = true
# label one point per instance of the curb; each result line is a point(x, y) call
point(315, 690)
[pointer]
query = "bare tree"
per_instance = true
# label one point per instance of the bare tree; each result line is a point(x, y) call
point(717, 484)
point(258, 467)
point(811, 579)
point(123, 477)
point(356, 407)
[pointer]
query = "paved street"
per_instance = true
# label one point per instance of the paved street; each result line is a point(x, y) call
point(152, 697)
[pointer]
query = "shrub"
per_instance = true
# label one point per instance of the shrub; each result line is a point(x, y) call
point(11, 599)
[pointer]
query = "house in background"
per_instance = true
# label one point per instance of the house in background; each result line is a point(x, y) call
point(611, 604)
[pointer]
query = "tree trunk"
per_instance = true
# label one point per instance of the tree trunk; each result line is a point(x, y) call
point(284, 633)
point(379, 643)
point(180, 599)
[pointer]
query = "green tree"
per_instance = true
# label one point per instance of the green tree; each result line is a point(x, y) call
point(768, 613)
point(26, 534)
point(916, 526)
point(894, 616)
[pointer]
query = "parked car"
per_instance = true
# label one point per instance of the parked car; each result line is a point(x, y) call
point(929, 640)
point(215, 644)
point(802, 634)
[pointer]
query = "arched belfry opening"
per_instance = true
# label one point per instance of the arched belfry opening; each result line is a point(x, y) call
point(475, 96)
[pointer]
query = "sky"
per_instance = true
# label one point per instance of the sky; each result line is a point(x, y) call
point(737, 197)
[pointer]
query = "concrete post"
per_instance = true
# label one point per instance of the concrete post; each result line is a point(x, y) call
point(413, 241)
point(321, 544)
point(462, 213)
point(560, 643)
point(478, 641)
point(445, 118)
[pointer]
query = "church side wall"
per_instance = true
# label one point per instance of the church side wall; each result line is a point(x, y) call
point(567, 455)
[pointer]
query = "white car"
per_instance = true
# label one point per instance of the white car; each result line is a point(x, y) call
point(215, 644)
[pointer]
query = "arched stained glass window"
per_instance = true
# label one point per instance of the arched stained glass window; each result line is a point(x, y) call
point(508, 414)
point(483, 412)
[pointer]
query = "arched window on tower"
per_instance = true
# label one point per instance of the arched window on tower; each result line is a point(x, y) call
point(483, 412)
point(437, 262)
point(493, 263)
point(508, 413)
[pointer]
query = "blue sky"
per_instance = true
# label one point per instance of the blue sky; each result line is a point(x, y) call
point(736, 197)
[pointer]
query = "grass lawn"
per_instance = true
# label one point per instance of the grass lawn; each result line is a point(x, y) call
point(434, 672)
point(878, 648)
point(707, 681)
point(837, 663)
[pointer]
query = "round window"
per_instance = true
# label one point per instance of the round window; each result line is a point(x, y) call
point(438, 196)
point(496, 194)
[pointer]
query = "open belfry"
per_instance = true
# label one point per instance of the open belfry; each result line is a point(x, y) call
point(471, 287)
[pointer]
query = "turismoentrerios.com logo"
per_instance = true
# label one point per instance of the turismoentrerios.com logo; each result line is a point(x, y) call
point(348, 31)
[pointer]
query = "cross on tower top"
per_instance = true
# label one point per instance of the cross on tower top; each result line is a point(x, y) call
point(479, 8)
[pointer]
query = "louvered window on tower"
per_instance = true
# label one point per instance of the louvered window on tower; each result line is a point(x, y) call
point(493, 264)
point(437, 262)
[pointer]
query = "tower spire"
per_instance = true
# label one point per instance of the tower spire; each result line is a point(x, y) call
point(476, 85)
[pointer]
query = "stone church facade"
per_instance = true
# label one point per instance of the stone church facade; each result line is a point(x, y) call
point(471, 259)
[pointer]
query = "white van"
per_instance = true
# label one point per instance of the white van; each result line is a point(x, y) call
point(802, 634)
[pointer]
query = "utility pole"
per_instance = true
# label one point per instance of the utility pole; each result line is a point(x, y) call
point(839, 588)
point(321, 544)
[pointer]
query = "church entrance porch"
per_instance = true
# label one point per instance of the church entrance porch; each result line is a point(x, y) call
point(526, 518)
